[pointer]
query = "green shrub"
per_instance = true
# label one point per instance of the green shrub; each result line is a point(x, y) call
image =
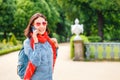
point(4, 41)
point(85, 40)
point(94, 38)
point(62, 39)
point(10, 49)
point(9, 46)
point(13, 40)
point(1, 45)
point(71, 47)
point(56, 36)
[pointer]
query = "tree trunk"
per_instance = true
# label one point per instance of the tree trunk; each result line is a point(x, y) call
point(100, 24)
point(5, 35)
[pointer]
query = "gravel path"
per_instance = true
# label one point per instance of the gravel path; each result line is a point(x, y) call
point(65, 69)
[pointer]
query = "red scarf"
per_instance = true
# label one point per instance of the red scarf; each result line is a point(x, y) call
point(42, 39)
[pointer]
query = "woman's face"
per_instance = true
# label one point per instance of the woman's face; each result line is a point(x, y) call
point(40, 24)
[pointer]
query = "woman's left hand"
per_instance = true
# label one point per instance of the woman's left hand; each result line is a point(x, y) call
point(55, 42)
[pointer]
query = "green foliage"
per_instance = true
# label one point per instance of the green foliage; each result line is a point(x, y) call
point(7, 8)
point(4, 41)
point(13, 39)
point(9, 46)
point(95, 15)
point(59, 38)
point(9, 49)
point(94, 38)
point(62, 38)
point(71, 47)
point(54, 35)
point(111, 29)
point(26, 8)
point(15, 15)
point(85, 40)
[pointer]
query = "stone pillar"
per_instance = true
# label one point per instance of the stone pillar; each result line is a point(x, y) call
point(78, 50)
point(78, 43)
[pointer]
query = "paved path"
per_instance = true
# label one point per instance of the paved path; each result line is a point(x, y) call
point(65, 68)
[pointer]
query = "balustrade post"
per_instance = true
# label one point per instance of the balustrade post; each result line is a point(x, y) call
point(119, 51)
point(96, 51)
point(112, 53)
point(87, 51)
point(104, 51)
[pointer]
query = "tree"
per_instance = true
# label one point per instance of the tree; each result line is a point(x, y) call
point(7, 8)
point(92, 13)
point(26, 8)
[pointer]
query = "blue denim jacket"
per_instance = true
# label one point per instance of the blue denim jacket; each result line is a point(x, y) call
point(41, 56)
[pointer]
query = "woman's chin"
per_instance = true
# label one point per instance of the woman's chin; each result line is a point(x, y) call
point(41, 33)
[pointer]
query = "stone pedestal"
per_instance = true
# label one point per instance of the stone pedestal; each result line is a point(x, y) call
point(78, 50)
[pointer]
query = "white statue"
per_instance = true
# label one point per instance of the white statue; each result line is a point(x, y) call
point(77, 29)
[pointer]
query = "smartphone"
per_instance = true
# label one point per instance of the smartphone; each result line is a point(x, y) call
point(33, 28)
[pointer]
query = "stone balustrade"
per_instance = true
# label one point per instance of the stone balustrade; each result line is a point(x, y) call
point(102, 51)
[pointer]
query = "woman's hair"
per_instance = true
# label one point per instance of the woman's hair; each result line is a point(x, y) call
point(28, 29)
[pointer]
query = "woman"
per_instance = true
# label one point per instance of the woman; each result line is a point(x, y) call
point(40, 49)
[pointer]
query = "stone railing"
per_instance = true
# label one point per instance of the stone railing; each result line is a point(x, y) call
point(102, 51)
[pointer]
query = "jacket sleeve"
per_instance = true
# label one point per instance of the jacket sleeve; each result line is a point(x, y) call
point(34, 59)
point(29, 71)
point(32, 53)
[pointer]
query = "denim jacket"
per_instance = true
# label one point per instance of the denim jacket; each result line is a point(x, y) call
point(41, 56)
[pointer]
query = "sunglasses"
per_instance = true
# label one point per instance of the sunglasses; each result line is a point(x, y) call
point(41, 23)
